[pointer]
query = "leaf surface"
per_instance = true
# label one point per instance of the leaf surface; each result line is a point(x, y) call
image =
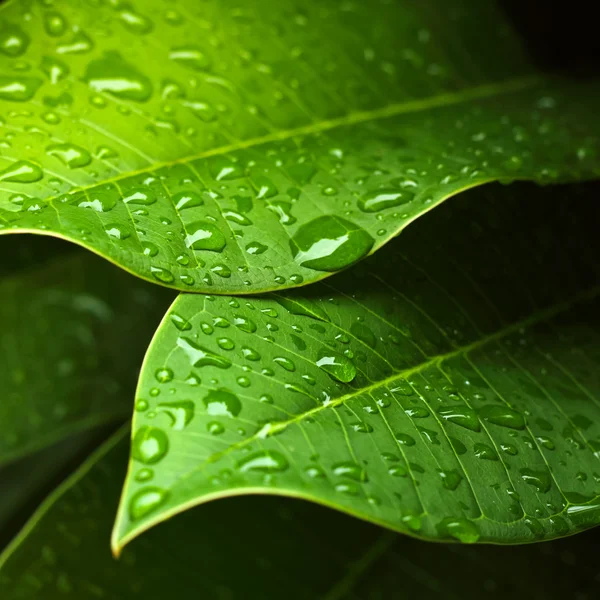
point(264, 146)
point(445, 388)
point(62, 327)
point(257, 547)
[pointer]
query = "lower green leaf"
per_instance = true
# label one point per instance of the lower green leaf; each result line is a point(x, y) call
point(264, 548)
point(446, 388)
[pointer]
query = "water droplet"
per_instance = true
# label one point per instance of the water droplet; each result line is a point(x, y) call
point(164, 375)
point(54, 23)
point(350, 470)
point(417, 412)
point(184, 200)
point(285, 363)
point(222, 403)
point(265, 461)
point(13, 40)
point(384, 198)
point(205, 236)
point(255, 248)
point(80, 43)
point(398, 471)
point(18, 89)
point(329, 244)
point(215, 428)
point(162, 275)
point(485, 452)
point(113, 75)
point(139, 197)
point(450, 479)
point(405, 439)
point(145, 501)
point(149, 445)
point(144, 475)
point(463, 530)
point(460, 415)
point(283, 210)
point(541, 480)
point(226, 343)
point(503, 416)
point(181, 323)
point(22, 171)
point(264, 187)
point(134, 21)
point(191, 57)
point(200, 356)
point(181, 412)
point(244, 324)
point(337, 365)
point(70, 155)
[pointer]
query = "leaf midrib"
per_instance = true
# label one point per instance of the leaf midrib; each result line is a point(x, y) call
point(543, 315)
point(413, 106)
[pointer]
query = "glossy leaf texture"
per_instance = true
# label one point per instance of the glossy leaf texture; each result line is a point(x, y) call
point(224, 550)
point(266, 145)
point(446, 388)
point(61, 325)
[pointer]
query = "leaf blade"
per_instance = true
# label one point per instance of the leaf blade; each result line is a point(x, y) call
point(413, 135)
point(420, 405)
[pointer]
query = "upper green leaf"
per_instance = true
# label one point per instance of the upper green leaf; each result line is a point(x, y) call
point(61, 327)
point(265, 548)
point(263, 146)
point(446, 388)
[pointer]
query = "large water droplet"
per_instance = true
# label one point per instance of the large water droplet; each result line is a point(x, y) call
point(265, 461)
point(330, 244)
point(22, 171)
point(145, 501)
point(18, 89)
point(200, 356)
point(149, 445)
point(13, 40)
point(384, 198)
point(204, 236)
point(191, 57)
point(183, 200)
point(70, 155)
point(350, 470)
point(460, 415)
point(503, 416)
point(541, 480)
point(337, 365)
point(115, 76)
point(181, 412)
point(222, 403)
point(463, 530)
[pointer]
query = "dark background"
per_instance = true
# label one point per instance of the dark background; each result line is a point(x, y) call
point(561, 36)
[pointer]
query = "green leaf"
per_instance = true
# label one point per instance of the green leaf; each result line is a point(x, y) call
point(445, 388)
point(62, 327)
point(260, 147)
point(258, 547)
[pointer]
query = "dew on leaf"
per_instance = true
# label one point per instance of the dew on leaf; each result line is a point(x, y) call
point(180, 412)
point(329, 244)
point(145, 501)
point(149, 445)
point(265, 461)
point(222, 403)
